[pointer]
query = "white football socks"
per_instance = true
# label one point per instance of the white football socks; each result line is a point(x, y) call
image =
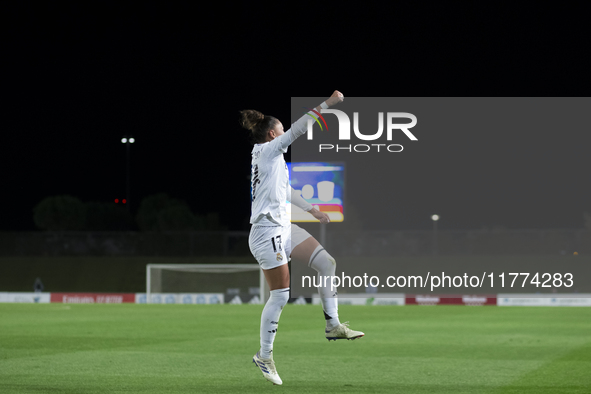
point(270, 319)
point(326, 265)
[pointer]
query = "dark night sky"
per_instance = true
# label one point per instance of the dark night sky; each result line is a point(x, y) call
point(79, 77)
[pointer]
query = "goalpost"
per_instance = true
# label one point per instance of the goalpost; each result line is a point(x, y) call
point(232, 280)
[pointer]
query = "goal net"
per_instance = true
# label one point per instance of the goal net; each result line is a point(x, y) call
point(205, 283)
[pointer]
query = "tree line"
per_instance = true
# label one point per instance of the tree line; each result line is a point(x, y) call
point(158, 212)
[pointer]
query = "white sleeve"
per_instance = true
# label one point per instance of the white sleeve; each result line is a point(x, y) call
point(297, 129)
point(298, 201)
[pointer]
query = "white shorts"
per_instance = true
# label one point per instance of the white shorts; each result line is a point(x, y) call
point(298, 235)
point(271, 246)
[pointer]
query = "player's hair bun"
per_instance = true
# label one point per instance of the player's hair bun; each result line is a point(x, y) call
point(258, 124)
point(250, 119)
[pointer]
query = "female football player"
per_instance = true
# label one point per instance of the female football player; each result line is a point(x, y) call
point(271, 233)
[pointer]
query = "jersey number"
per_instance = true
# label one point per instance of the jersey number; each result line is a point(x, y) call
point(255, 180)
point(276, 242)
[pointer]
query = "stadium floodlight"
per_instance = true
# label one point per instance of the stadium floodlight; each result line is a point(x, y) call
point(230, 279)
point(435, 218)
point(131, 140)
point(124, 140)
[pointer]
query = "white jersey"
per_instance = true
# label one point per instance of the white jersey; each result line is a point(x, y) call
point(270, 178)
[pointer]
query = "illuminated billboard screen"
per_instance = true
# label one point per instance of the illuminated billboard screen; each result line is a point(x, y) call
point(322, 185)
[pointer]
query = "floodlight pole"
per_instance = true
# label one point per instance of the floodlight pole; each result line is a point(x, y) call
point(435, 237)
point(127, 177)
point(323, 235)
point(435, 219)
point(127, 141)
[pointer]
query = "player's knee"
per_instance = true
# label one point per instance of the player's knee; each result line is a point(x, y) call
point(324, 263)
point(279, 297)
point(332, 260)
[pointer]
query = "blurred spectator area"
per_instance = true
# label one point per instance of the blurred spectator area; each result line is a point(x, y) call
point(235, 243)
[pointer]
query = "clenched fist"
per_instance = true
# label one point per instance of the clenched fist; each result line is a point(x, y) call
point(335, 98)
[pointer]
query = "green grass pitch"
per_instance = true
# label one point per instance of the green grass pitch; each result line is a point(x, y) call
point(60, 348)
